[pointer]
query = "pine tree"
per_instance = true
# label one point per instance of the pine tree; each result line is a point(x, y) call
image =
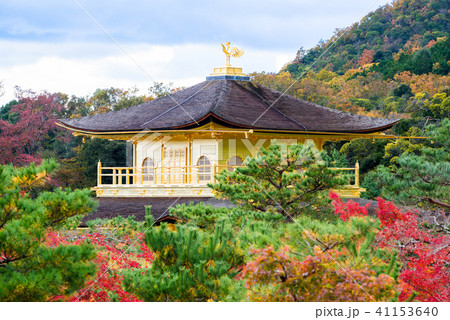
point(421, 179)
point(30, 270)
point(422, 62)
point(189, 265)
point(282, 180)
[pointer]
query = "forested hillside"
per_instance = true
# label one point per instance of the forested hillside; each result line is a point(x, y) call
point(397, 37)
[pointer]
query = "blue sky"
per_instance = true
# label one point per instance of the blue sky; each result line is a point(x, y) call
point(56, 46)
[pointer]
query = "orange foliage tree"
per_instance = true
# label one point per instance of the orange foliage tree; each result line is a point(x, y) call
point(366, 57)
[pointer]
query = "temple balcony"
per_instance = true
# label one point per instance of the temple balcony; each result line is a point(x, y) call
point(182, 181)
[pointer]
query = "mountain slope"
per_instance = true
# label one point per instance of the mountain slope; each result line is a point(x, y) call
point(404, 31)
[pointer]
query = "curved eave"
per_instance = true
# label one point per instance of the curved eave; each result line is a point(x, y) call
point(191, 127)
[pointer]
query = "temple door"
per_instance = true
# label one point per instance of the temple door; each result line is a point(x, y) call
point(174, 166)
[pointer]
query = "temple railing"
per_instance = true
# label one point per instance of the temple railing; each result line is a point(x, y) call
point(353, 179)
point(181, 175)
point(178, 175)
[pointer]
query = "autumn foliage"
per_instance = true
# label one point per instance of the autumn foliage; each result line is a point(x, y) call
point(425, 255)
point(326, 275)
point(36, 116)
point(348, 209)
point(276, 276)
point(238, 255)
point(366, 57)
point(114, 255)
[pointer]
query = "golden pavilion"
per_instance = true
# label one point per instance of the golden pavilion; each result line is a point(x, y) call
point(180, 141)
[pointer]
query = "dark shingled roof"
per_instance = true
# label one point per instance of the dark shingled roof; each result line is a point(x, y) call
point(237, 104)
point(112, 207)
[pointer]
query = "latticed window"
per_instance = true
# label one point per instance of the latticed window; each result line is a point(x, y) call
point(234, 161)
point(148, 170)
point(204, 169)
point(174, 157)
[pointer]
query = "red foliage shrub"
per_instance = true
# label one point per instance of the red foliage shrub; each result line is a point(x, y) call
point(113, 255)
point(425, 256)
point(348, 209)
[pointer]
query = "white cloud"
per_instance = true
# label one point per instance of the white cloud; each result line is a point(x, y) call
point(183, 65)
point(285, 24)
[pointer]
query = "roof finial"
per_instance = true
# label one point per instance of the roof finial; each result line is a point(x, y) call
point(228, 72)
point(235, 52)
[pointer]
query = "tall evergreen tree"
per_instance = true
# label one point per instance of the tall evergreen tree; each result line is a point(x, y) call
point(422, 62)
point(30, 269)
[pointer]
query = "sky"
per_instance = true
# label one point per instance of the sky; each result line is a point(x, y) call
point(77, 46)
